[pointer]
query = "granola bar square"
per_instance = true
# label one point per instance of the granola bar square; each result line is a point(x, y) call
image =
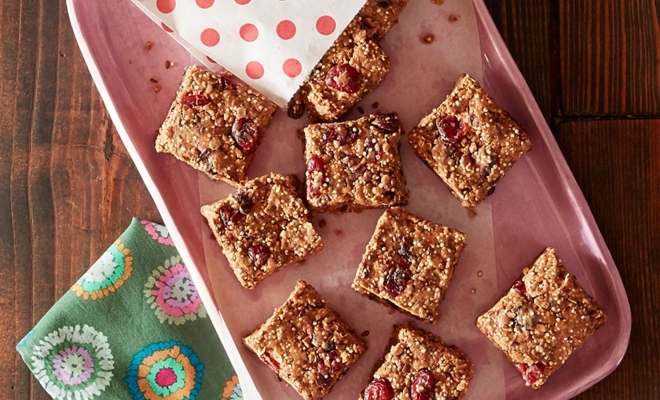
point(354, 165)
point(418, 365)
point(542, 319)
point(262, 228)
point(409, 263)
point(469, 142)
point(306, 343)
point(354, 66)
point(214, 126)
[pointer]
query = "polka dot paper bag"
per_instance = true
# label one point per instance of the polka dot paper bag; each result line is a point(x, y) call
point(132, 327)
point(272, 45)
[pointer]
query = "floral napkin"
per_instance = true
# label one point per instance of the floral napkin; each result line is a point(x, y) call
point(132, 327)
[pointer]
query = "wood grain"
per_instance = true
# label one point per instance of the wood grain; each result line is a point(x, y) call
point(529, 30)
point(616, 164)
point(611, 48)
point(68, 188)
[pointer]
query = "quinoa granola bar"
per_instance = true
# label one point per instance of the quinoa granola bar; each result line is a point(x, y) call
point(469, 142)
point(542, 319)
point(378, 17)
point(351, 68)
point(262, 228)
point(306, 343)
point(408, 263)
point(215, 126)
point(354, 165)
point(418, 365)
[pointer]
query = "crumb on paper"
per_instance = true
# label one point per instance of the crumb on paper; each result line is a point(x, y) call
point(130, 61)
point(479, 273)
point(365, 333)
point(339, 232)
point(428, 39)
point(157, 88)
point(168, 64)
point(322, 223)
point(154, 79)
point(375, 104)
point(473, 291)
point(360, 110)
point(438, 2)
point(454, 18)
point(149, 45)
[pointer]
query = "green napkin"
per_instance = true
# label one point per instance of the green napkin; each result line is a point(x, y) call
point(133, 327)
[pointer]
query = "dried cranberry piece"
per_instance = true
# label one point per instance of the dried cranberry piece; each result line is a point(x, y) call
point(519, 286)
point(259, 254)
point(194, 100)
point(344, 78)
point(270, 361)
point(451, 130)
point(245, 202)
point(245, 133)
point(386, 122)
point(335, 362)
point(323, 376)
point(379, 389)
point(405, 250)
point(340, 134)
point(315, 164)
point(229, 216)
point(531, 373)
point(423, 385)
point(204, 155)
point(397, 277)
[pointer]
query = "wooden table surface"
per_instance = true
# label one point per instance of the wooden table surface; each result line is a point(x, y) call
point(68, 187)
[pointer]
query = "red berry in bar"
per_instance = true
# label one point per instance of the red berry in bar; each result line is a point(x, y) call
point(344, 78)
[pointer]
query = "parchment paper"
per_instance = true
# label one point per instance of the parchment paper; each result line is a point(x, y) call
point(420, 78)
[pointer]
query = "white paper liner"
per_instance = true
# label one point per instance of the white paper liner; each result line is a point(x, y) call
point(271, 45)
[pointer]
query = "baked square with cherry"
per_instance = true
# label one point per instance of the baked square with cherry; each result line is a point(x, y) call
point(542, 319)
point(215, 126)
point(262, 228)
point(469, 142)
point(408, 263)
point(417, 365)
point(354, 165)
point(306, 343)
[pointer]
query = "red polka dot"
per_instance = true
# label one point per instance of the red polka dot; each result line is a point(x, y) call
point(292, 67)
point(210, 37)
point(205, 3)
point(326, 25)
point(254, 70)
point(211, 60)
point(242, 2)
point(167, 28)
point(286, 29)
point(166, 6)
point(249, 32)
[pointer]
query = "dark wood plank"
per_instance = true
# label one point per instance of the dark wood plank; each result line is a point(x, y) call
point(616, 164)
point(68, 187)
point(527, 28)
point(609, 53)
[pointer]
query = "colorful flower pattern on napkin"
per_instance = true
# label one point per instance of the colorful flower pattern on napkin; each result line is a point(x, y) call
point(132, 327)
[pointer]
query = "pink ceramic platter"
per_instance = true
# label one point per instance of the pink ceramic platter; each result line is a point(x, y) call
point(537, 204)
